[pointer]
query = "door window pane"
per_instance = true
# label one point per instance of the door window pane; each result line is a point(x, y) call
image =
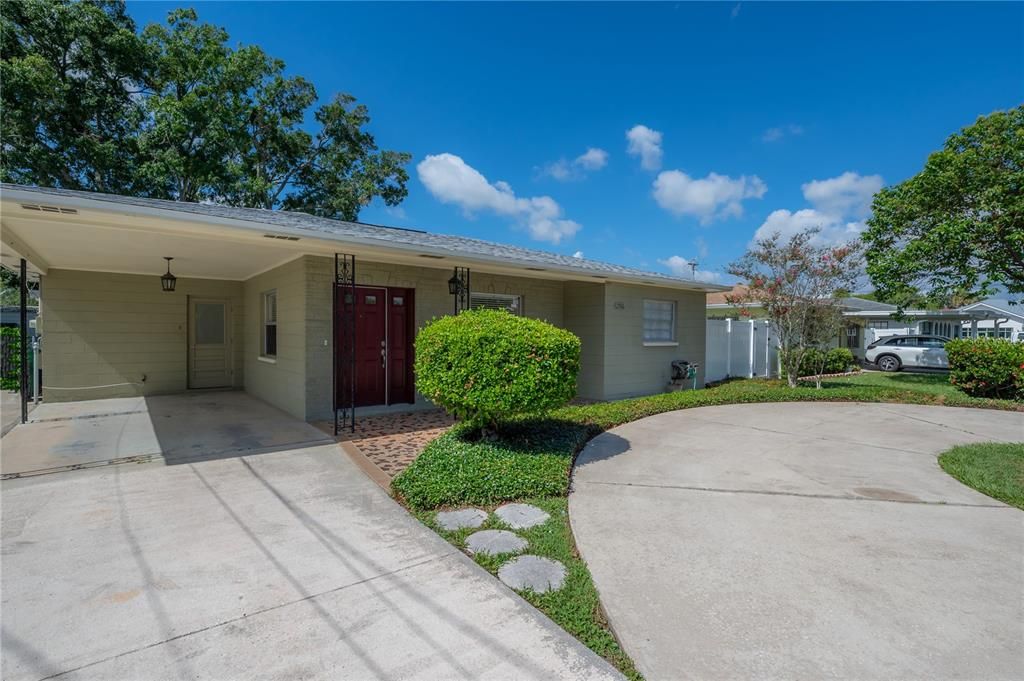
point(209, 324)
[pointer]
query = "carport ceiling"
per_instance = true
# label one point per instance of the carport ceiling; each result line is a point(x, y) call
point(64, 243)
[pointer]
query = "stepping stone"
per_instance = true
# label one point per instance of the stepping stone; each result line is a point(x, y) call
point(533, 572)
point(460, 519)
point(494, 542)
point(521, 516)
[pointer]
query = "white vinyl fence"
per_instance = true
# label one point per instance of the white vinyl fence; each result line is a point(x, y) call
point(740, 348)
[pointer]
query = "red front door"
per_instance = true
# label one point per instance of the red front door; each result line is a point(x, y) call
point(400, 354)
point(383, 346)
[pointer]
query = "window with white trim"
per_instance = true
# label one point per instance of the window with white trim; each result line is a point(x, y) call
point(659, 321)
point(497, 301)
point(268, 324)
point(878, 325)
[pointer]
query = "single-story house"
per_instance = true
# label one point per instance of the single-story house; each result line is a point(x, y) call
point(1002, 319)
point(309, 314)
point(870, 320)
point(10, 316)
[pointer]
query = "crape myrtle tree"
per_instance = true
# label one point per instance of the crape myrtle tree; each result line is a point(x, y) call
point(954, 231)
point(175, 112)
point(797, 281)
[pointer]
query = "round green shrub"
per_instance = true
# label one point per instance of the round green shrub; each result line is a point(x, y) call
point(987, 367)
point(486, 365)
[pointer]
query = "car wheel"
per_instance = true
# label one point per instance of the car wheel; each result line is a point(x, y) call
point(888, 363)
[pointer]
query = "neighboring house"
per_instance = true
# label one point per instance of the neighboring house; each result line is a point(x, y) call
point(870, 320)
point(259, 301)
point(10, 315)
point(719, 307)
point(1001, 319)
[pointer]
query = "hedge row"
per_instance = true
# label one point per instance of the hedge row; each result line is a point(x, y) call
point(987, 367)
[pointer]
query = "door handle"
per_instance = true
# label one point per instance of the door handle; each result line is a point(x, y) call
point(383, 355)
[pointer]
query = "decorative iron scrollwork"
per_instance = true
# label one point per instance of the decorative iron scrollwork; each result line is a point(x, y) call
point(344, 376)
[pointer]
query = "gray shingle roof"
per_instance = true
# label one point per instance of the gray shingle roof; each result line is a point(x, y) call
point(339, 229)
point(862, 305)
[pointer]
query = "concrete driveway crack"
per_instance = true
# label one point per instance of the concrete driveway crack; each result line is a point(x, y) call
point(249, 615)
point(940, 425)
point(815, 437)
point(806, 495)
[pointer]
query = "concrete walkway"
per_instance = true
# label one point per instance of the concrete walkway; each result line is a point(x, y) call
point(282, 565)
point(803, 541)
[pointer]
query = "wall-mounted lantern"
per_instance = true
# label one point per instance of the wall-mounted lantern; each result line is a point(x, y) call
point(168, 281)
point(458, 286)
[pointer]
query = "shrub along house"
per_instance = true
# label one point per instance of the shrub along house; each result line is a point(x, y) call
point(291, 307)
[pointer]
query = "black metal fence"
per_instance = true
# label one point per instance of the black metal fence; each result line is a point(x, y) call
point(10, 357)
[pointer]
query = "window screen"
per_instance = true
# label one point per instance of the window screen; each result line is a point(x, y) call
point(269, 340)
point(497, 301)
point(659, 321)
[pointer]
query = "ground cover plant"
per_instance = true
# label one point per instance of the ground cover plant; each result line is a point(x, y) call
point(576, 606)
point(992, 468)
point(531, 459)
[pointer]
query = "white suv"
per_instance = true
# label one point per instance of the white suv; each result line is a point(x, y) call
point(895, 352)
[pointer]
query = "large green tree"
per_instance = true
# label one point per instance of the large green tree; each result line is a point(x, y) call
point(69, 114)
point(176, 112)
point(955, 230)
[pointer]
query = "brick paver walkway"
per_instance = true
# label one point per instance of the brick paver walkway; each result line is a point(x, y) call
point(393, 441)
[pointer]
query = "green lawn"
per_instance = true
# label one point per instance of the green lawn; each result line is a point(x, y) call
point(933, 383)
point(992, 468)
point(532, 458)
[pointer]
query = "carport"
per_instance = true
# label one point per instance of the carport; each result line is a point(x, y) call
point(171, 429)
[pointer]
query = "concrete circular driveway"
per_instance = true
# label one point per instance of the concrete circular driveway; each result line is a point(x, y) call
point(803, 541)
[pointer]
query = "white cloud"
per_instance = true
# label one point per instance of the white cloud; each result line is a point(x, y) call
point(560, 170)
point(592, 159)
point(578, 255)
point(646, 144)
point(452, 180)
point(564, 170)
point(709, 198)
point(681, 267)
point(735, 11)
point(848, 195)
point(834, 229)
point(775, 134)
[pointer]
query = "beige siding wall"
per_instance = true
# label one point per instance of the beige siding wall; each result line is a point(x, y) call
point(104, 329)
point(631, 368)
point(584, 316)
point(280, 380)
point(541, 299)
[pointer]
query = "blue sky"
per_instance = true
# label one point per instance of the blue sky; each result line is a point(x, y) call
point(646, 134)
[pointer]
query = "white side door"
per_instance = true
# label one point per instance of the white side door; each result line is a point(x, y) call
point(209, 338)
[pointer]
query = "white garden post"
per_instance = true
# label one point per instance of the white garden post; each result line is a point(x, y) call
point(767, 350)
point(728, 347)
point(753, 328)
